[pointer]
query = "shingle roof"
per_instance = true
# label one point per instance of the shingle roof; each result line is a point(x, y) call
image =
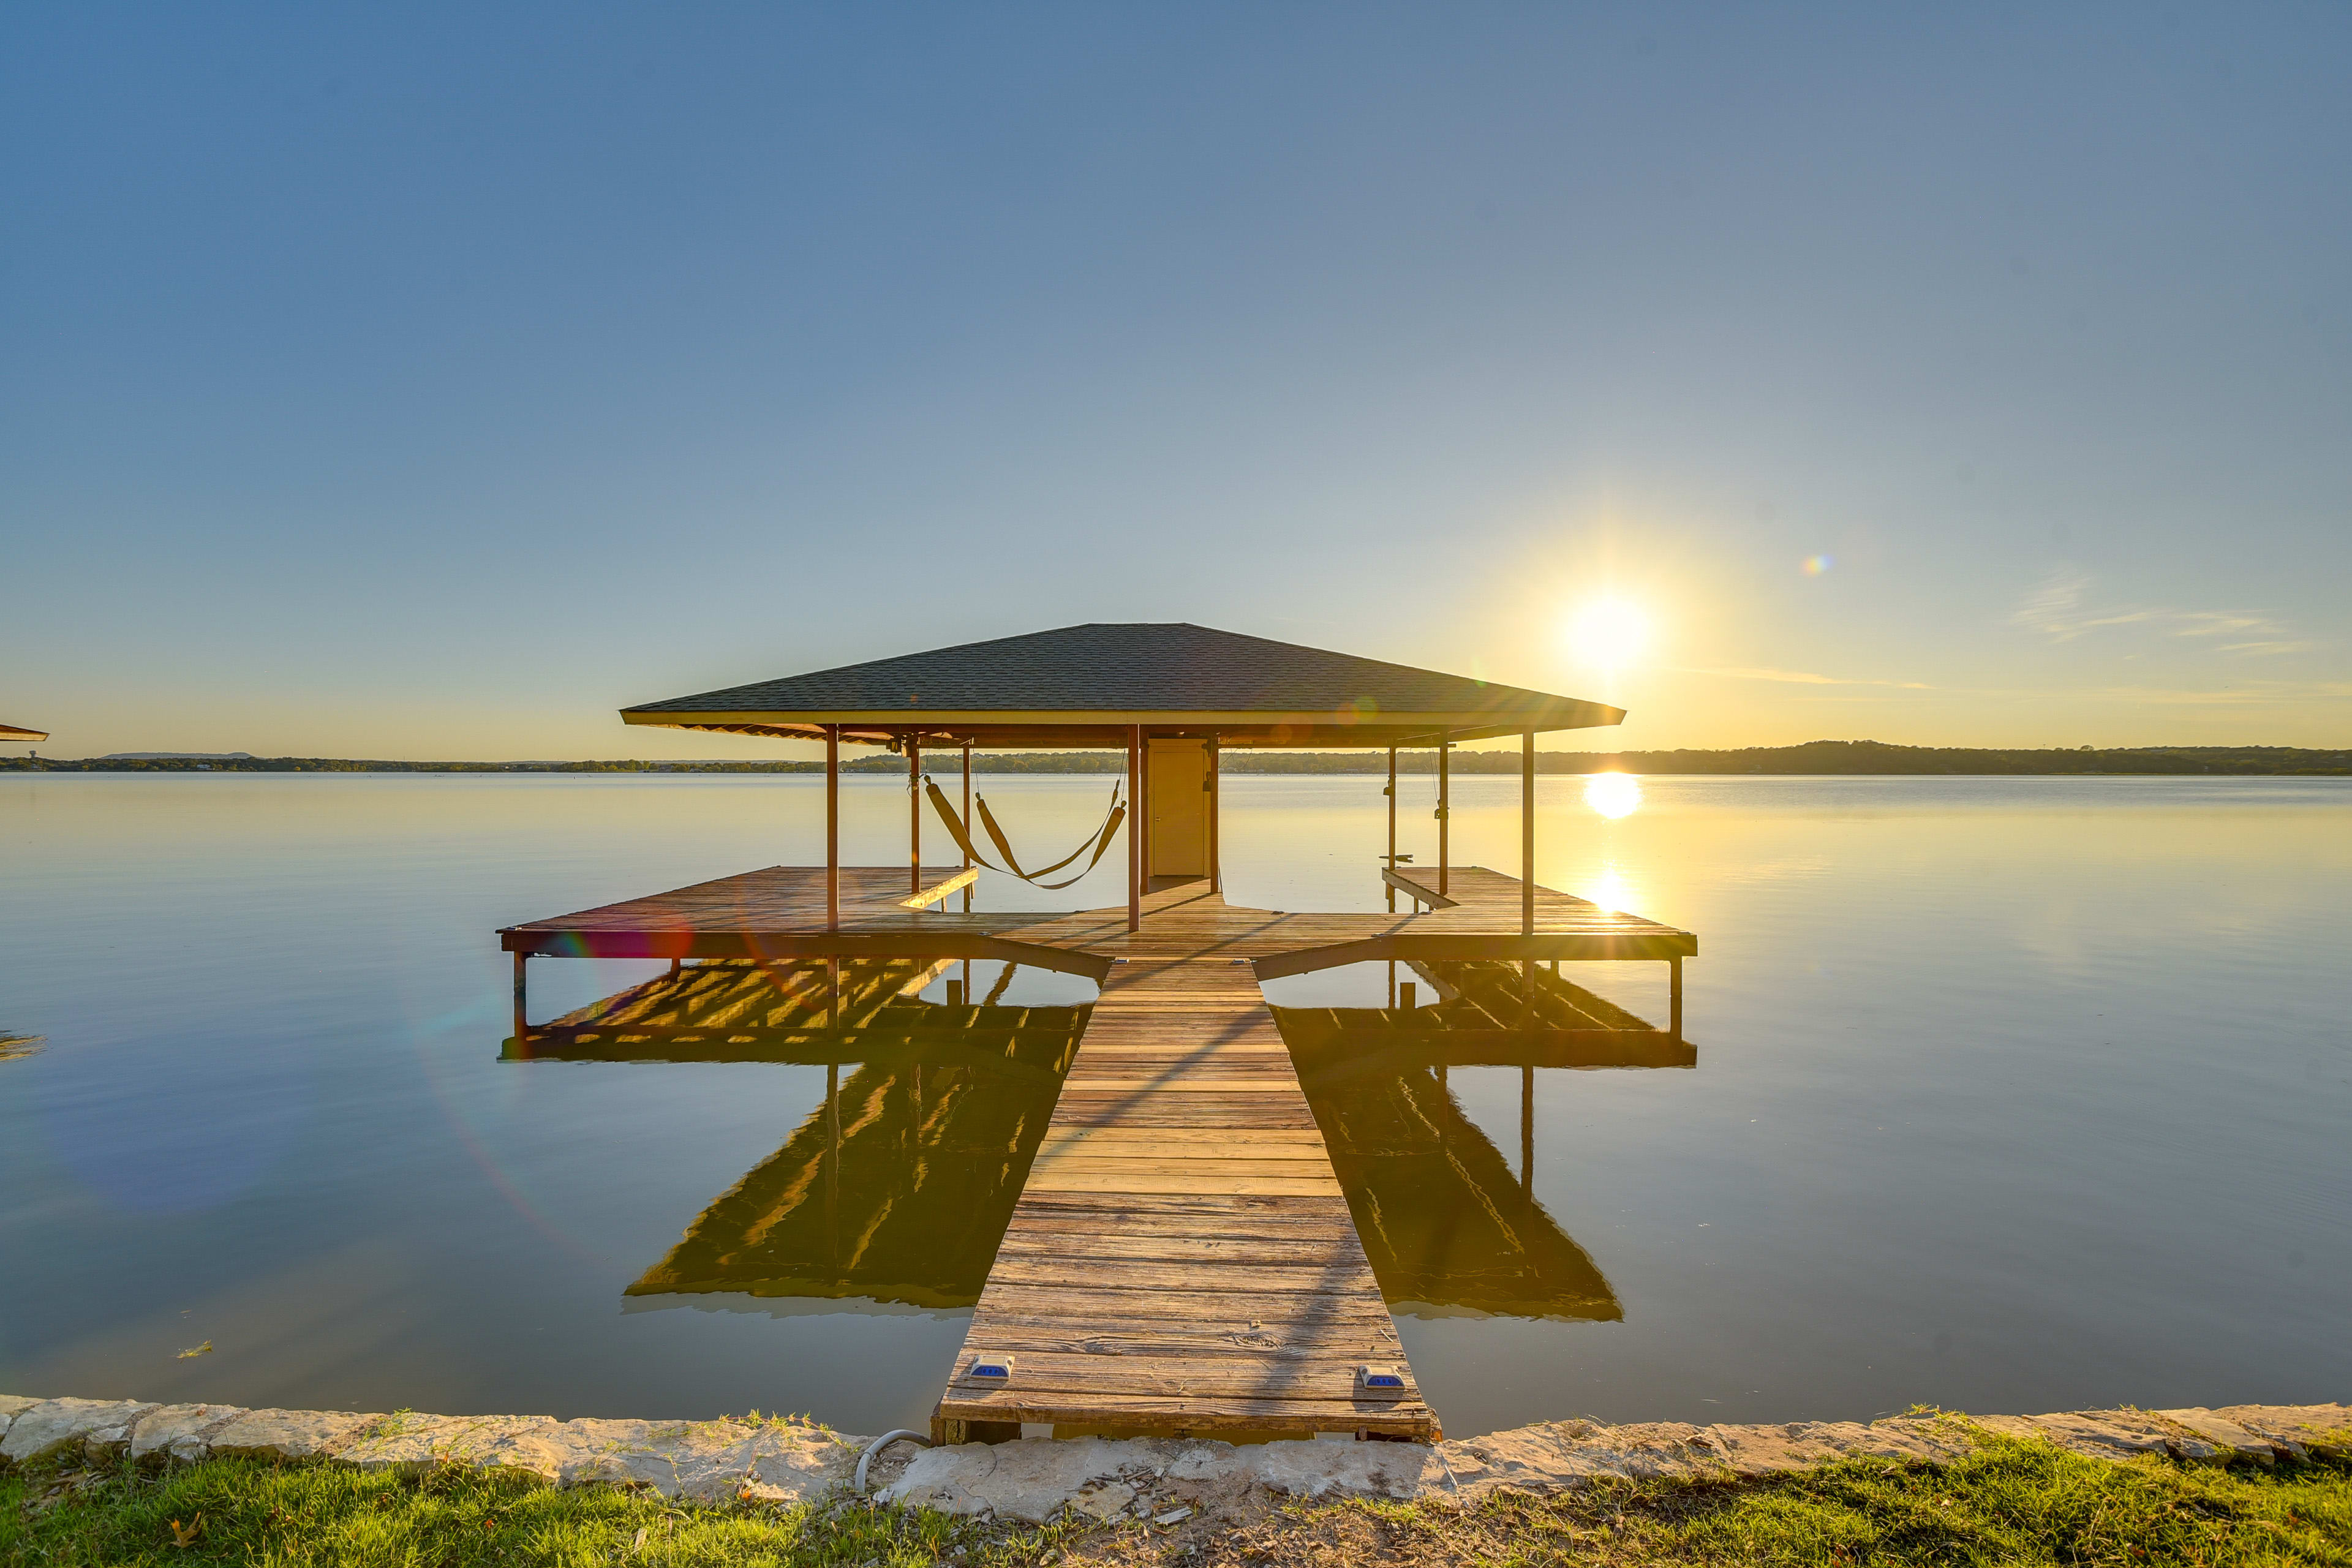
point(1158, 672)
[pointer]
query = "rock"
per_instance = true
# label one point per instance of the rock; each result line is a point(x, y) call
point(1035, 1477)
point(288, 1434)
point(409, 1443)
point(1101, 1499)
point(1749, 1451)
point(2294, 1430)
point(179, 1432)
point(1560, 1454)
point(11, 1405)
point(2229, 1440)
point(64, 1429)
point(1343, 1469)
point(708, 1461)
point(2118, 1434)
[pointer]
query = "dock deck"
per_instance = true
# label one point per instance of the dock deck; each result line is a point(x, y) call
point(1181, 1258)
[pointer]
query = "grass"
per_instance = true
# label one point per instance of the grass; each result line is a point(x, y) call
point(2012, 1502)
point(260, 1515)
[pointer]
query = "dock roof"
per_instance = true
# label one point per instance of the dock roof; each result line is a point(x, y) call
point(1086, 685)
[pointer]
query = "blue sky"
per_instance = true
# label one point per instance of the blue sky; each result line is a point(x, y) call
point(432, 381)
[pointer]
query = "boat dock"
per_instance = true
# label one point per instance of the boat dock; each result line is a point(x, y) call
point(1182, 1260)
point(1181, 1257)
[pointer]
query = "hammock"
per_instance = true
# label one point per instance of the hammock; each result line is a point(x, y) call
point(1099, 840)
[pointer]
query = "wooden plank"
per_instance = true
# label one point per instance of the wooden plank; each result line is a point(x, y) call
point(1160, 1137)
point(1182, 1256)
point(929, 893)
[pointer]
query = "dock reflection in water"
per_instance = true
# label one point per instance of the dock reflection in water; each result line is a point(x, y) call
point(897, 1187)
point(1451, 1228)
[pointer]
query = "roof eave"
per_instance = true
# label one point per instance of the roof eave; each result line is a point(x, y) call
point(1032, 728)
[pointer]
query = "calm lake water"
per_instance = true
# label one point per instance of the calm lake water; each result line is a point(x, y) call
point(2011, 1094)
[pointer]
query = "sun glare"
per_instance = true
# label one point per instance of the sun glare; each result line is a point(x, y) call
point(1614, 794)
point(1609, 890)
point(1609, 632)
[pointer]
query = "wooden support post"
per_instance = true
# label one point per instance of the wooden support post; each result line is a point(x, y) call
point(1214, 783)
point(833, 828)
point(833, 1163)
point(1528, 841)
point(967, 839)
point(914, 815)
point(1444, 820)
point(1143, 805)
point(522, 1029)
point(1675, 998)
point(1527, 1133)
point(1134, 830)
point(1390, 863)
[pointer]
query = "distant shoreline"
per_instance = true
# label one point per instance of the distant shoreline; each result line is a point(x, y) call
point(1817, 758)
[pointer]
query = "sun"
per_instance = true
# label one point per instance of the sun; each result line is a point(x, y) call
point(1609, 632)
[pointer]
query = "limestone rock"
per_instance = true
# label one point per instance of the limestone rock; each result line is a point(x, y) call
point(1396, 1470)
point(410, 1442)
point(2118, 1434)
point(1035, 1477)
point(1557, 1454)
point(2294, 1430)
point(1749, 1451)
point(2228, 1440)
point(179, 1432)
point(288, 1434)
point(11, 1405)
point(54, 1429)
point(708, 1461)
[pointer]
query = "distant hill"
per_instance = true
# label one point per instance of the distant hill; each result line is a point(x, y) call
point(1814, 757)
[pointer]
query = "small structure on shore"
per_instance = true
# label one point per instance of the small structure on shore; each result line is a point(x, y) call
point(1181, 1258)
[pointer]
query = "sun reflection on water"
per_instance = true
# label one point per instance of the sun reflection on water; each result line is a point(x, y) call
point(1614, 794)
point(1610, 890)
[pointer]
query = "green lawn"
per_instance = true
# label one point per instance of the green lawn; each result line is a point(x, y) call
point(2012, 1503)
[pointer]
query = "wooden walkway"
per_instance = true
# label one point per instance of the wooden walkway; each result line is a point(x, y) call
point(1182, 1260)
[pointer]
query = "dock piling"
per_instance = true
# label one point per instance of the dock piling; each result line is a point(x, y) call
point(522, 1029)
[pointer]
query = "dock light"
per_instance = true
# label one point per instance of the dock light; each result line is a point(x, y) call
point(989, 1367)
point(1379, 1377)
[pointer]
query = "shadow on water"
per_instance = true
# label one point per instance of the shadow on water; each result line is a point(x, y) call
point(1451, 1228)
point(897, 1188)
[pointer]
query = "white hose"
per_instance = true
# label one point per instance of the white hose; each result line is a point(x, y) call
point(881, 1443)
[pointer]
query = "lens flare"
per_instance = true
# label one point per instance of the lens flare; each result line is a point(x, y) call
point(1817, 564)
point(1614, 794)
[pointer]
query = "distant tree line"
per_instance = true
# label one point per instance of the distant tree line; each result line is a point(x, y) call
point(1814, 757)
